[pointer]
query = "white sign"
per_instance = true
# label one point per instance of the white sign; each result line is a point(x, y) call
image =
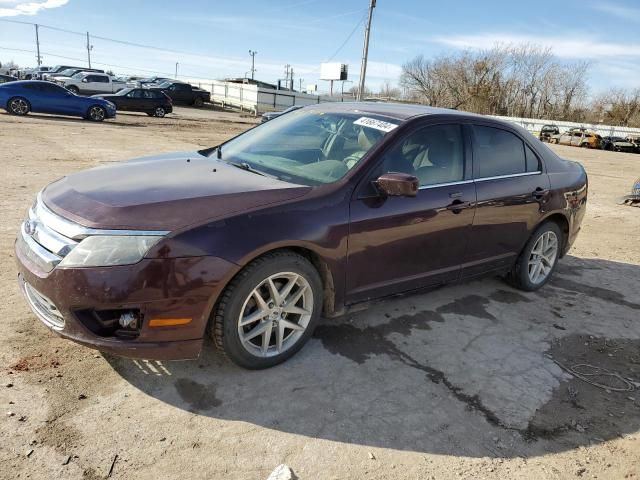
point(377, 124)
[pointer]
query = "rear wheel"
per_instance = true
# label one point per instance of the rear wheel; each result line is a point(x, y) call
point(268, 311)
point(96, 113)
point(73, 89)
point(18, 106)
point(198, 102)
point(538, 259)
point(159, 112)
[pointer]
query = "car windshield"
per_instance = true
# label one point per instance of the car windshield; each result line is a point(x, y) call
point(308, 147)
point(164, 84)
point(78, 75)
point(68, 71)
point(124, 91)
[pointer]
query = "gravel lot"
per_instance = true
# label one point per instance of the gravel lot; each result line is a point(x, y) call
point(462, 382)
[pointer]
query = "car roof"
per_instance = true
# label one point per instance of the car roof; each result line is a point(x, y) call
point(27, 82)
point(399, 111)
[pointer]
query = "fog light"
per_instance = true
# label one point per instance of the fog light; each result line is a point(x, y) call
point(128, 320)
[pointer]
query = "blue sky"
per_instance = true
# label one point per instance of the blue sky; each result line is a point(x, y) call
point(211, 39)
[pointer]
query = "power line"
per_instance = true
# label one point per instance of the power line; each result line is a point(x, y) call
point(348, 38)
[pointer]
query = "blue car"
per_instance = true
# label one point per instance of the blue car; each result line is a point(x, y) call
point(20, 98)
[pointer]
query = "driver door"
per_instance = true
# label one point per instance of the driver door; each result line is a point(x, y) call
point(397, 244)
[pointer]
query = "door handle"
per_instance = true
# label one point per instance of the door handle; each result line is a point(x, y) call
point(458, 205)
point(539, 193)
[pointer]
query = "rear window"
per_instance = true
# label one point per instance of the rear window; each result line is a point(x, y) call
point(498, 152)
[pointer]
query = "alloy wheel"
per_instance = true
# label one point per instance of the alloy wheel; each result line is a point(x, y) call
point(543, 257)
point(19, 106)
point(96, 114)
point(159, 112)
point(276, 314)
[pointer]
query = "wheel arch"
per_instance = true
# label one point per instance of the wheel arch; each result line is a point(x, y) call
point(562, 221)
point(319, 263)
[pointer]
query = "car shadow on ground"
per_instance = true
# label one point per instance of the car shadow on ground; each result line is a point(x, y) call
point(61, 118)
point(476, 369)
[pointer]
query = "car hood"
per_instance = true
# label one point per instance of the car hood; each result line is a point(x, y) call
point(167, 192)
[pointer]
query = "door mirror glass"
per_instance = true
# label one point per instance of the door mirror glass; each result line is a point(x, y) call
point(398, 184)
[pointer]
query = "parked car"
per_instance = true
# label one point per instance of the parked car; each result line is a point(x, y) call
point(577, 137)
point(149, 82)
point(43, 74)
point(152, 102)
point(69, 72)
point(183, 93)
point(7, 78)
point(31, 73)
point(617, 144)
point(547, 131)
point(92, 83)
point(311, 213)
point(635, 140)
point(271, 115)
point(22, 97)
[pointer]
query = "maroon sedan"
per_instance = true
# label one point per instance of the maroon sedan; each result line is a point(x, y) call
point(307, 215)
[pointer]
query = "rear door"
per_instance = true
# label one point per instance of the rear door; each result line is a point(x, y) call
point(512, 189)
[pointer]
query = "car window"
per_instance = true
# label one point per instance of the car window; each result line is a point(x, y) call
point(434, 154)
point(149, 94)
point(135, 94)
point(51, 88)
point(497, 152)
point(533, 162)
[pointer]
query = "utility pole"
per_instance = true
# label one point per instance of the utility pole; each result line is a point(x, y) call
point(365, 50)
point(286, 75)
point(291, 80)
point(253, 63)
point(39, 58)
point(300, 80)
point(89, 48)
point(176, 70)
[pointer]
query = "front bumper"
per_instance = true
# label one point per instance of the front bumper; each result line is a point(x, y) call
point(184, 288)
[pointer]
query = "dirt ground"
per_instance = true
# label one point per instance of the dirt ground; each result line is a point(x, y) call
point(463, 382)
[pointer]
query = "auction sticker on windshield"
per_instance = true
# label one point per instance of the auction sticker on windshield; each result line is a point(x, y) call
point(373, 123)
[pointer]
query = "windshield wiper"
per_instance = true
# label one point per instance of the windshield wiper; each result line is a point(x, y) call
point(249, 168)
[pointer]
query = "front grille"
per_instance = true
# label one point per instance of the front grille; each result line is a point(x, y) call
point(46, 237)
point(44, 308)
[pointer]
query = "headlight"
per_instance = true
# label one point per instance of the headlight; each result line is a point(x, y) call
point(104, 251)
point(111, 105)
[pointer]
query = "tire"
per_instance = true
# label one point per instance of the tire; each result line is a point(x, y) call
point(96, 113)
point(159, 112)
point(520, 275)
point(73, 89)
point(238, 302)
point(198, 102)
point(585, 145)
point(18, 106)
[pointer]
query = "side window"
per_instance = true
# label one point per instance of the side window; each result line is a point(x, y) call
point(90, 78)
point(533, 163)
point(434, 154)
point(101, 79)
point(497, 152)
point(149, 94)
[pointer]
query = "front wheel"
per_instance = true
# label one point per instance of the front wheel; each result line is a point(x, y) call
point(198, 102)
point(18, 106)
point(96, 113)
point(73, 89)
point(268, 311)
point(538, 259)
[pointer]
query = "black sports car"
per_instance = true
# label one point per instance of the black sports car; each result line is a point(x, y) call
point(152, 102)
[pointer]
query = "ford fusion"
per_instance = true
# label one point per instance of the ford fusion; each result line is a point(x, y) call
point(251, 241)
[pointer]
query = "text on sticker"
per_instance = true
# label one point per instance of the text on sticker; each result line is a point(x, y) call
point(373, 123)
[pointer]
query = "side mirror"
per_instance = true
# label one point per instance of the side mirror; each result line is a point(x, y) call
point(398, 184)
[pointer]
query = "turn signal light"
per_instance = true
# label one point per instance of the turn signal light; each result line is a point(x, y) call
point(168, 322)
